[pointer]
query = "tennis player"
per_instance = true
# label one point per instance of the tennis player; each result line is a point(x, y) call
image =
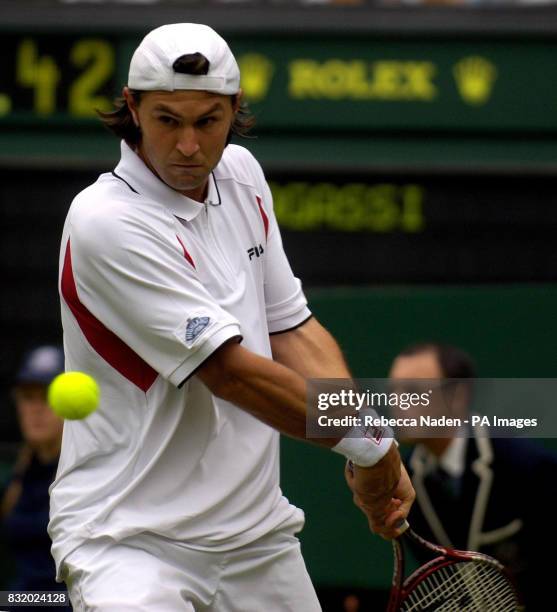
point(176, 295)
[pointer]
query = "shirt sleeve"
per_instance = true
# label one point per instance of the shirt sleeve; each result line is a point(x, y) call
point(285, 302)
point(132, 276)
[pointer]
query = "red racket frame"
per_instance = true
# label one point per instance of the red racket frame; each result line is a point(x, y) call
point(445, 556)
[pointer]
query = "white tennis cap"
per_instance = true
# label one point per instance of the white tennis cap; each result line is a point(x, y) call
point(151, 67)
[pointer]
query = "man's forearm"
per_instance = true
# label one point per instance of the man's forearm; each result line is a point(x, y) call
point(311, 351)
point(281, 398)
point(268, 390)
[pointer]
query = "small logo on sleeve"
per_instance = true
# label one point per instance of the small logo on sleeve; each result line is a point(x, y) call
point(195, 327)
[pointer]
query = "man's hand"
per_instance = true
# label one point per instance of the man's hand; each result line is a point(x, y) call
point(383, 492)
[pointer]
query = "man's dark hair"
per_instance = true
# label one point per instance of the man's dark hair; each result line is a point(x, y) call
point(454, 362)
point(120, 120)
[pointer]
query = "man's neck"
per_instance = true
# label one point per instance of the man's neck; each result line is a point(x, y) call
point(199, 194)
point(437, 446)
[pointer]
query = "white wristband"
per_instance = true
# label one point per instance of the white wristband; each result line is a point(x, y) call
point(365, 446)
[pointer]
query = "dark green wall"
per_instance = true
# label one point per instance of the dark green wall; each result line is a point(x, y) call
point(510, 331)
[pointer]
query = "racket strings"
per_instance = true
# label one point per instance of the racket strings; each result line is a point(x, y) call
point(462, 587)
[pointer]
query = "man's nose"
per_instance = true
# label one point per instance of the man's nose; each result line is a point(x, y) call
point(34, 404)
point(187, 142)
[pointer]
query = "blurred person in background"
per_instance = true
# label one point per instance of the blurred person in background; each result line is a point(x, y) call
point(24, 504)
point(474, 492)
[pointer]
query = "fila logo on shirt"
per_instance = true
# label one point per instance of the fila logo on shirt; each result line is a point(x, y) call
point(255, 251)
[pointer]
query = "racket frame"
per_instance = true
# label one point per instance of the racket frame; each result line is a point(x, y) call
point(401, 588)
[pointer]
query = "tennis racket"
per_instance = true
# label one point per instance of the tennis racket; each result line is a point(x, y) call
point(453, 581)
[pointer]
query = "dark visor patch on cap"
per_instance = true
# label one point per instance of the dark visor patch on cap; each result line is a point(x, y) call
point(192, 63)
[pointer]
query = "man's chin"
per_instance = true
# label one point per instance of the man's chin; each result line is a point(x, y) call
point(186, 186)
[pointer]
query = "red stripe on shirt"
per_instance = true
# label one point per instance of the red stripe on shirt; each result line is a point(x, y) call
point(263, 216)
point(186, 254)
point(107, 344)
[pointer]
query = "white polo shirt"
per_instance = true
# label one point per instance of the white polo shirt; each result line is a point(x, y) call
point(151, 284)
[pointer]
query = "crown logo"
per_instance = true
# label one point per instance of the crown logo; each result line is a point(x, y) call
point(474, 78)
point(257, 74)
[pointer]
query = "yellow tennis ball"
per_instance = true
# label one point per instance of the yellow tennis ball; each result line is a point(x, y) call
point(73, 395)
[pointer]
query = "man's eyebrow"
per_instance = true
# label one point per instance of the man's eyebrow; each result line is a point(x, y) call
point(166, 109)
point(217, 106)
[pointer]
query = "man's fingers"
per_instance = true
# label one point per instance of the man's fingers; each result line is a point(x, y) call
point(385, 500)
point(394, 519)
point(383, 521)
point(390, 528)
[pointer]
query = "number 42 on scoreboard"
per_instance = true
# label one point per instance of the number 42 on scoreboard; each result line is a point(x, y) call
point(75, 77)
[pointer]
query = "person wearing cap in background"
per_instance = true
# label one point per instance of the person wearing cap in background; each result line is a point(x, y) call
point(24, 504)
point(177, 297)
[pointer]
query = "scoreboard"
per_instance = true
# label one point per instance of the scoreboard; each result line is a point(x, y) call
point(305, 84)
point(431, 229)
point(56, 77)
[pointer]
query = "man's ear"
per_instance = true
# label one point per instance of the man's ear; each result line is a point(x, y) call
point(238, 100)
point(131, 104)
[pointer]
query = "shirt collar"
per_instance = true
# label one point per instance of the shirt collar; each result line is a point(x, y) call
point(452, 460)
point(134, 171)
